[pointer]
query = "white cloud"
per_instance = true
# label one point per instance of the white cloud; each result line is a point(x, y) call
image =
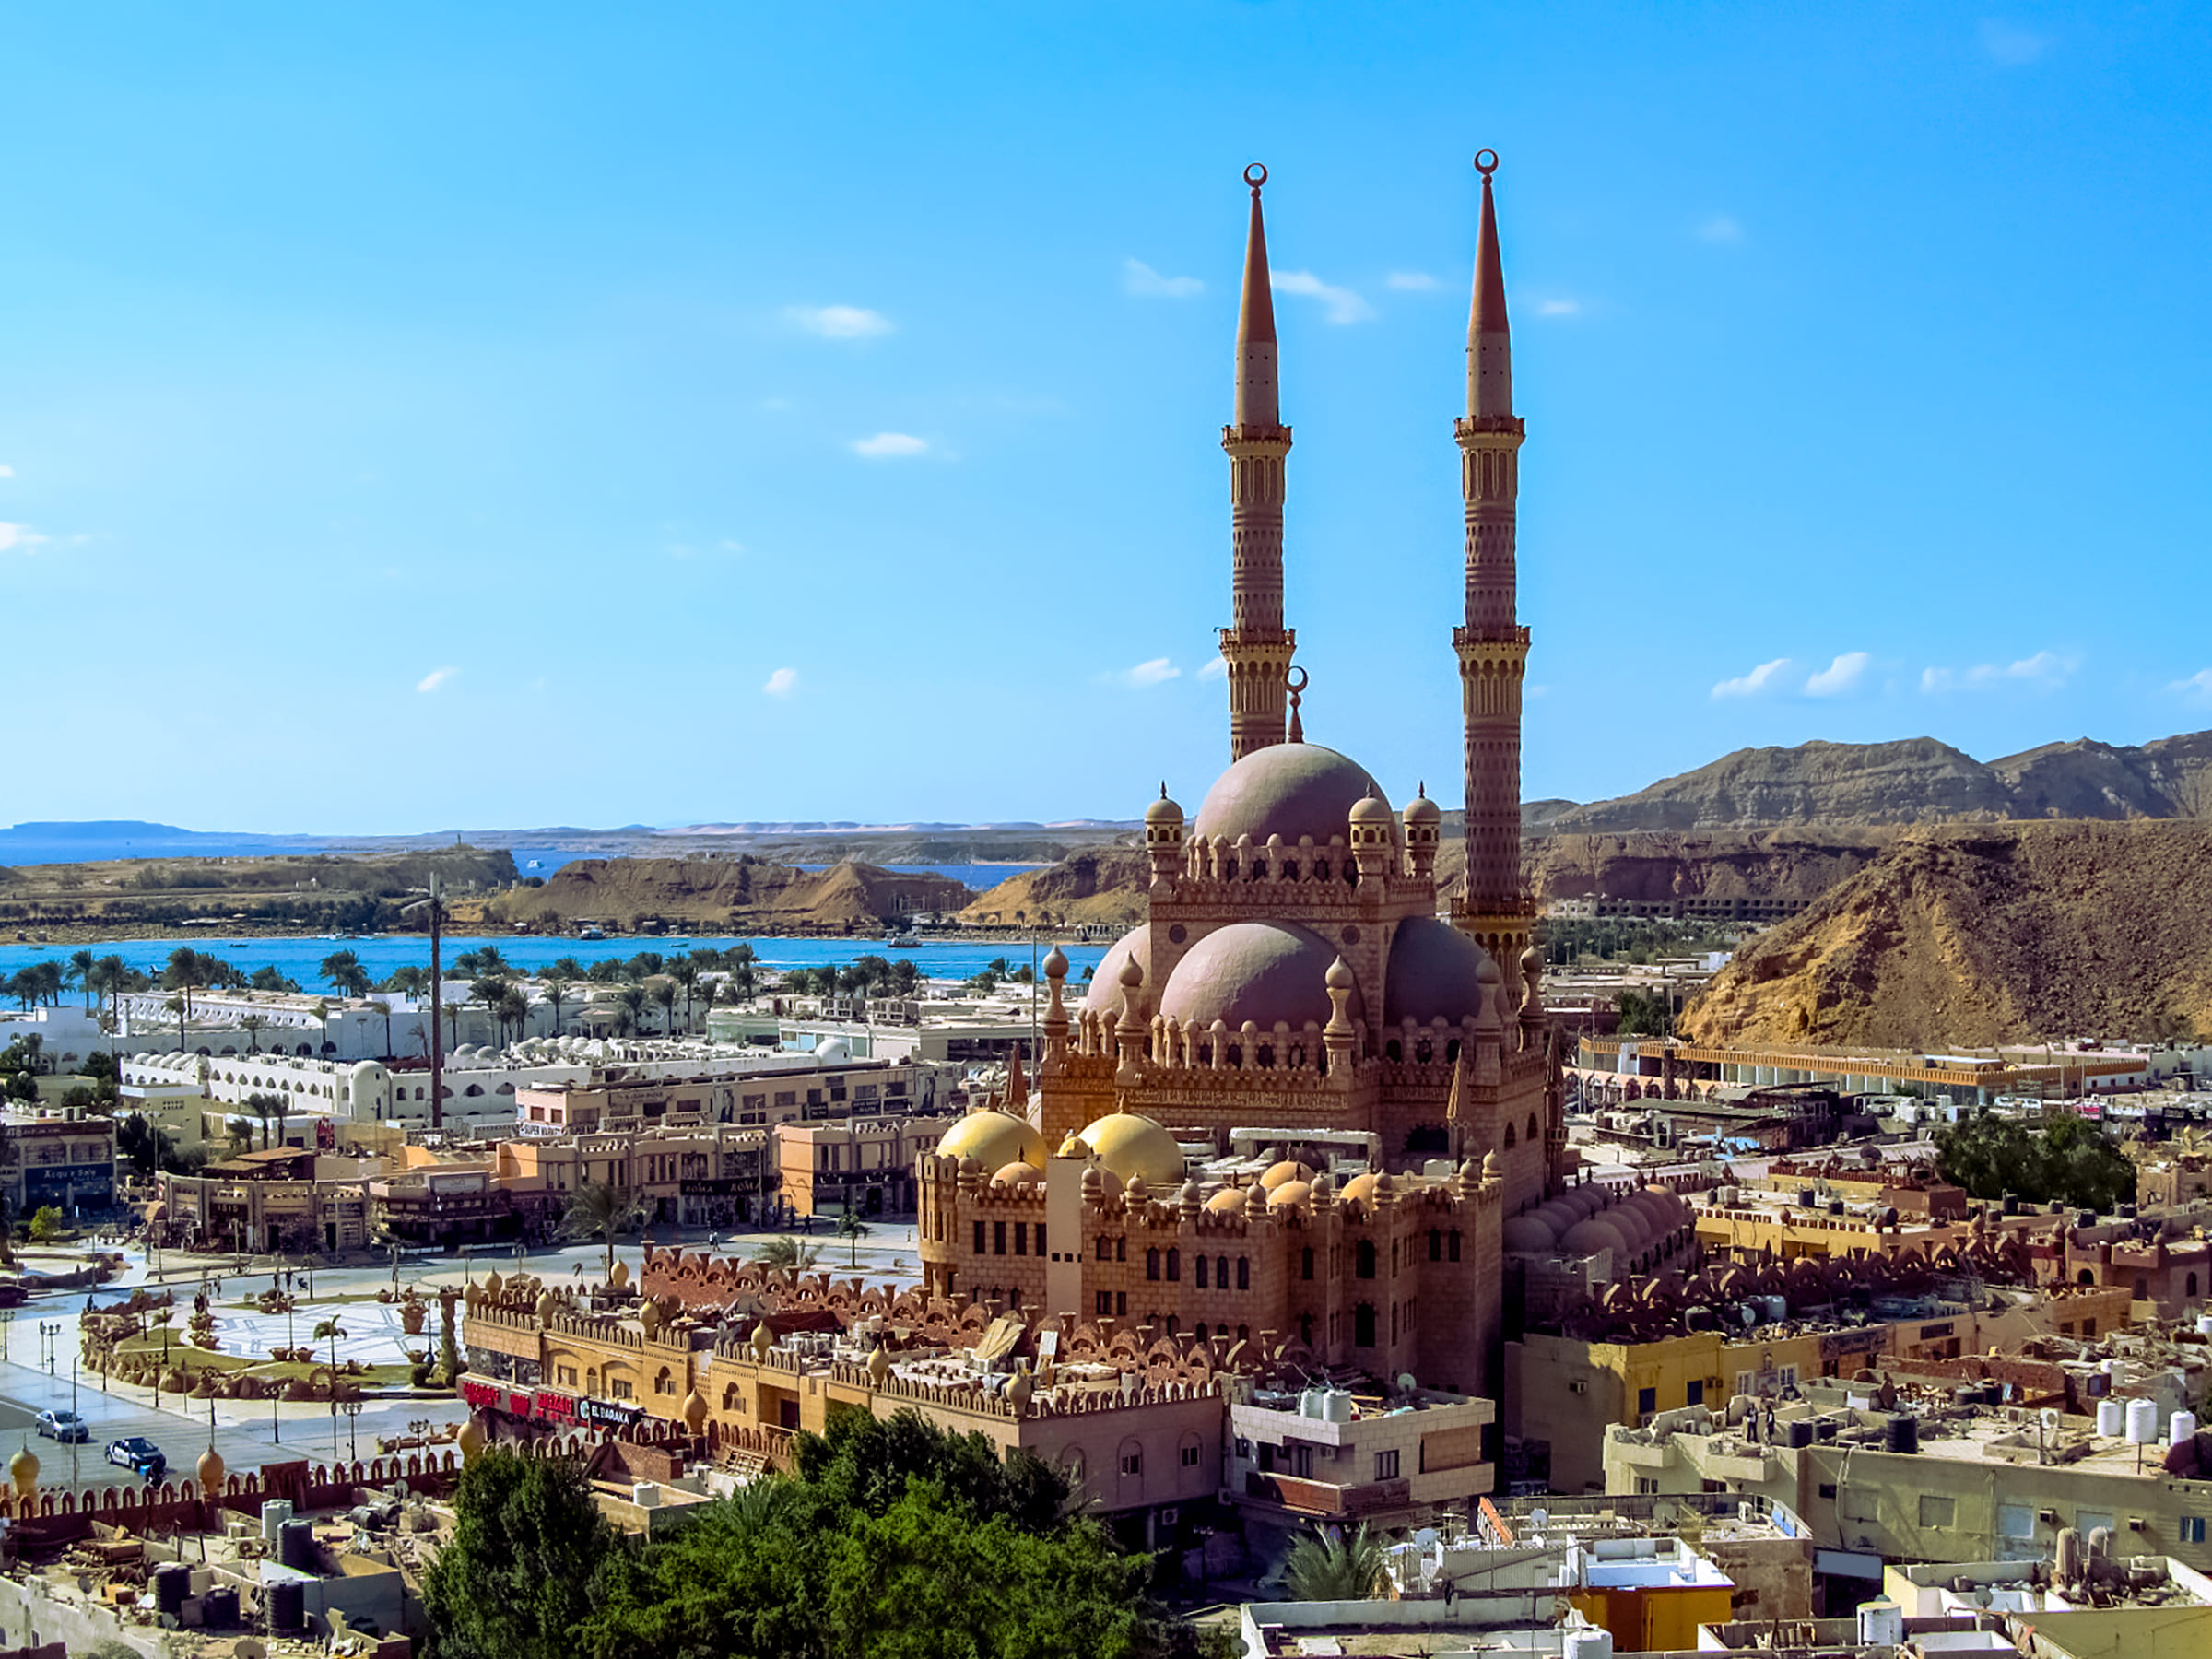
point(2197, 687)
point(840, 321)
point(434, 679)
point(1559, 308)
point(781, 683)
point(6, 472)
point(1155, 672)
point(1839, 677)
point(2011, 45)
point(20, 538)
point(1142, 280)
point(2046, 670)
point(1721, 228)
point(1413, 282)
point(1344, 306)
point(1748, 684)
point(1217, 668)
point(887, 446)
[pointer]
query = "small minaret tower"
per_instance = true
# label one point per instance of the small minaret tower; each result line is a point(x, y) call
point(1492, 646)
point(1256, 644)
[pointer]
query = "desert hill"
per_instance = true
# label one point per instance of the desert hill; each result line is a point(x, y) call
point(1097, 885)
point(1981, 934)
point(1913, 781)
point(740, 894)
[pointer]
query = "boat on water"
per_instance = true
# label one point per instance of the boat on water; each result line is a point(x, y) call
point(901, 941)
point(588, 932)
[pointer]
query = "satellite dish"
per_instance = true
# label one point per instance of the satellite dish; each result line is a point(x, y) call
point(1406, 1383)
point(1538, 1520)
point(2050, 1419)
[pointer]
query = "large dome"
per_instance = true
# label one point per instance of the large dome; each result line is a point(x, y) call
point(1105, 993)
point(1431, 974)
point(1264, 972)
point(1286, 789)
point(994, 1139)
point(1130, 1146)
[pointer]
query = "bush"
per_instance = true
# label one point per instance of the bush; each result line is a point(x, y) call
point(46, 1224)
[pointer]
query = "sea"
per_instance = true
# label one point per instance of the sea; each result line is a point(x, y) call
point(300, 958)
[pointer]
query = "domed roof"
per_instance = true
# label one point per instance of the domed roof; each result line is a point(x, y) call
point(1290, 1194)
point(1264, 972)
point(1285, 1171)
point(1286, 789)
point(1422, 810)
point(1163, 811)
point(1360, 1186)
point(1582, 1200)
point(1633, 1226)
point(1105, 993)
point(994, 1139)
point(1136, 1147)
point(1528, 1234)
point(1587, 1238)
point(1435, 973)
point(1018, 1174)
point(1229, 1201)
point(1371, 809)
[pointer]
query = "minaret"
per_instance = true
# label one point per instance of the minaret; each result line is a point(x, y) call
point(1492, 646)
point(1256, 644)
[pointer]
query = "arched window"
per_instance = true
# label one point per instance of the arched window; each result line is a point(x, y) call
point(1243, 1273)
point(1305, 1262)
point(1151, 1264)
point(1363, 1325)
point(1436, 1245)
point(2193, 1284)
point(1201, 1331)
point(1423, 1050)
point(1175, 1267)
point(1454, 1244)
point(1509, 1138)
point(1221, 1272)
point(1201, 1264)
point(1121, 1249)
point(1391, 1049)
point(1305, 1329)
point(1366, 1259)
point(2086, 1277)
point(1533, 1131)
point(1244, 1333)
point(730, 1401)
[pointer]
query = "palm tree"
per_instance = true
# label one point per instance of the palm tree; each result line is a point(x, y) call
point(513, 1010)
point(788, 1254)
point(566, 967)
point(851, 1229)
point(321, 1012)
point(685, 972)
point(332, 1329)
point(557, 986)
point(264, 1107)
point(181, 1006)
point(252, 1023)
point(488, 991)
point(408, 981)
point(601, 1210)
point(343, 969)
point(81, 965)
point(1329, 1567)
point(663, 992)
point(630, 1007)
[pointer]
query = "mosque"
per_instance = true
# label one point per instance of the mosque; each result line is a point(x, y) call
point(1297, 1109)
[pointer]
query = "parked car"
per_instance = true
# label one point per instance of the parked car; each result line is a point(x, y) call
point(64, 1426)
point(139, 1455)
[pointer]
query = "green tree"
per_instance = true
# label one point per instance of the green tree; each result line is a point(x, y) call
point(853, 1230)
point(629, 1008)
point(685, 972)
point(1644, 1016)
point(82, 966)
point(515, 1581)
point(270, 1109)
point(343, 970)
point(268, 977)
point(45, 1224)
point(558, 988)
point(513, 1011)
point(665, 992)
point(1328, 1567)
point(2068, 1159)
point(601, 1210)
point(254, 1025)
point(788, 1254)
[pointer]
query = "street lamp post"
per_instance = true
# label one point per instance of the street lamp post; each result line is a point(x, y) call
point(49, 1330)
point(353, 1428)
point(6, 1320)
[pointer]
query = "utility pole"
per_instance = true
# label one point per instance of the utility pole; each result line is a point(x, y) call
point(437, 1045)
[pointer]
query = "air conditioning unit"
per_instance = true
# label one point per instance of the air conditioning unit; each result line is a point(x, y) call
point(2135, 1523)
point(1577, 1387)
point(1169, 1517)
point(2048, 1517)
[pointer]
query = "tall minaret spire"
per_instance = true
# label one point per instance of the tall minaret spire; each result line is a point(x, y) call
point(1492, 646)
point(1256, 644)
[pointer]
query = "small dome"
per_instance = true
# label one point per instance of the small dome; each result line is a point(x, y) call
point(1073, 1146)
point(1055, 963)
point(210, 1470)
point(1163, 811)
point(1434, 972)
point(23, 1469)
point(833, 1048)
point(1371, 809)
point(994, 1139)
point(694, 1411)
point(1229, 1201)
point(1340, 976)
point(1191, 1195)
point(1137, 1149)
point(1360, 1187)
point(1286, 789)
point(1105, 993)
point(1285, 1171)
point(1291, 1194)
point(1528, 1235)
point(1422, 810)
point(1263, 972)
point(1018, 1174)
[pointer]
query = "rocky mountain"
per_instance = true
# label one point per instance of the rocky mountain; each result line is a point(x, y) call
point(1912, 781)
point(1981, 934)
point(740, 894)
point(1101, 885)
point(1793, 863)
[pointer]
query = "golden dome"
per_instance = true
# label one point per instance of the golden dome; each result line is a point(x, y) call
point(1361, 1187)
point(994, 1139)
point(23, 1469)
point(1137, 1149)
point(1229, 1201)
point(211, 1471)
point(1018, 1174)
point(1290, 1194)
point(694, 1411)
point(1286, 1170)
point(470, 1439)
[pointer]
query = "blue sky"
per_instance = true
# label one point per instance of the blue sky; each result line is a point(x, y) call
point(426, 416)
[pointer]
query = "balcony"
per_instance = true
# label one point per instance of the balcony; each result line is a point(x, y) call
point(1645, 1454)
point(1319, 1498)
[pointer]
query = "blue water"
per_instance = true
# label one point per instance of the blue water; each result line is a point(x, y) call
point(300, 958)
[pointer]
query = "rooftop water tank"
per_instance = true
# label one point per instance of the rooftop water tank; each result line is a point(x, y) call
point(274, 1514)
point(1881, 1623)
point(1336, 1405)
point(2182, 1426)
point(1588, 1642)
point(2142, 1423)
point(1901, 1433)
point(2111, 1417)
point(288, 1605)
